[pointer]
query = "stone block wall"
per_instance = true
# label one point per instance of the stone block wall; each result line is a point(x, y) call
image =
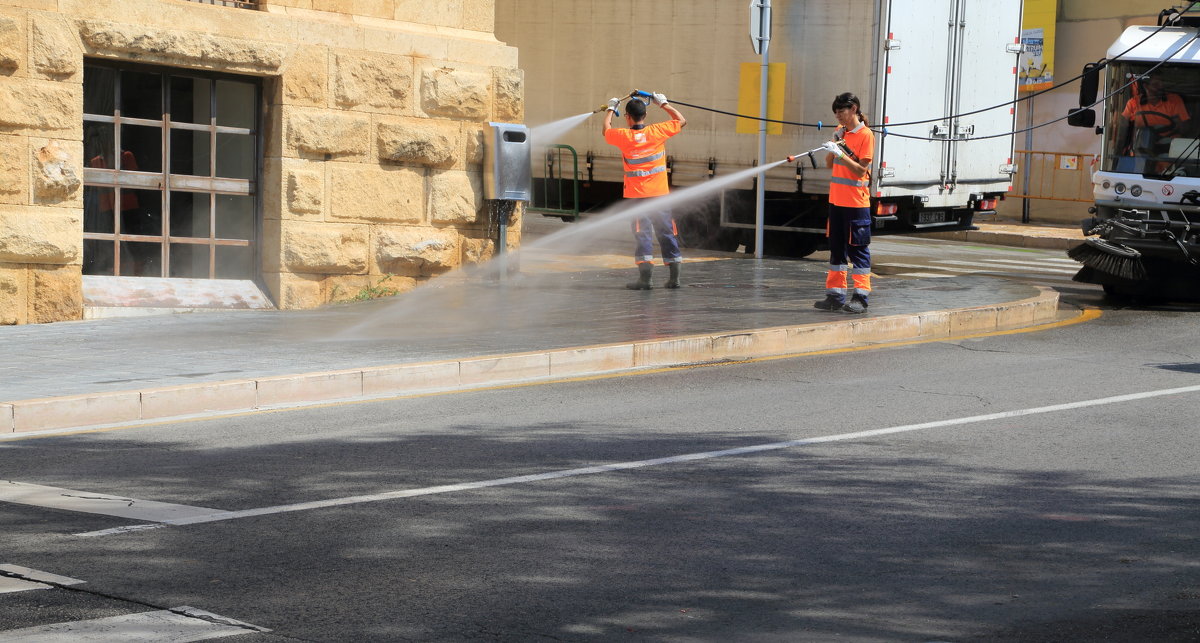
point(375, 112)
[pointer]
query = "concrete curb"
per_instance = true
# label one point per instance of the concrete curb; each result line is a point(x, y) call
point(77, 411)
point(995, 238)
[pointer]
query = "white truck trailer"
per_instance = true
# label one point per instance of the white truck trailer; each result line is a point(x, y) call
point(1147, 188)
point(932, 62)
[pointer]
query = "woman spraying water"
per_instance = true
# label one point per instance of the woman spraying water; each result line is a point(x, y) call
point(849, 228)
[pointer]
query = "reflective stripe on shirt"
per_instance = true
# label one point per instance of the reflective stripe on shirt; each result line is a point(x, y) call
point(852, 183)
point(661, 168)
point(645, 159)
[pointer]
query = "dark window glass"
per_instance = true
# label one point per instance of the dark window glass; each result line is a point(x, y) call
point(234, 262)
point(141, 95)
point(97, 257)
point(235, 217)
point(98, 144)
point(189, 215)
point(235, 104)
point(98, 209)
point(141, 259)
point(99, 85)
point(189, 261)
point(191, 100)
point(190, 153)
point(141, 212)
point(235, 156)
point(141, 148)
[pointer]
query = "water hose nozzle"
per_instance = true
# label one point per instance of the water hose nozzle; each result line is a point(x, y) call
point(637, 93)
point(811, 154)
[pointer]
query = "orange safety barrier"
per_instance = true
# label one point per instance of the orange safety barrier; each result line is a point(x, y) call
point(1054, 176)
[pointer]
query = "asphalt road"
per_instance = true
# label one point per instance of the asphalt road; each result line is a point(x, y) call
point(1022, 487)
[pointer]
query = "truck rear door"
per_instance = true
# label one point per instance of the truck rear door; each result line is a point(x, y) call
point(990, 33)
point(941, 58)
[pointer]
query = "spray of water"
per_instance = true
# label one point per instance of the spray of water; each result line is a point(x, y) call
point(449, 304)
point(549, 133)
point(627, 211)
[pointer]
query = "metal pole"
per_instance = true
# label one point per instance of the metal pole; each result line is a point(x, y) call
point(502, 239)
point(760, 190)
point(1028, 156)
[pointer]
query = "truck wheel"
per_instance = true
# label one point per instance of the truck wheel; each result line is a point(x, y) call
point(1117, 294)
point(782, 244)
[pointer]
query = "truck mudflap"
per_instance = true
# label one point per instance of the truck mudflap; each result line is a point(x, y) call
point(1137, 254)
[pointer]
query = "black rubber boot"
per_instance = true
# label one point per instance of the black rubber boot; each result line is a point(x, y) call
point(643, 282)
point(856, 305)
point(830, 302)
point(673, 281)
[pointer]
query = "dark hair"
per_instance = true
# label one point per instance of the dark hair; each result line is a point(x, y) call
point(635, 108)
point(848, 99)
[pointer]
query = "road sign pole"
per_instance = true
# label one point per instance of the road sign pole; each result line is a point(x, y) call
point(760, 35)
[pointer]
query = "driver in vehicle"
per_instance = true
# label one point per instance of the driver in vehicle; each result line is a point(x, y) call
point(1154, 114)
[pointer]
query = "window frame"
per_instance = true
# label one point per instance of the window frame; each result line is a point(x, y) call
point(163, 181)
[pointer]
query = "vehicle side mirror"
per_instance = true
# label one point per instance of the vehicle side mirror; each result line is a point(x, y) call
point(1081, 117)
point(1089, 85)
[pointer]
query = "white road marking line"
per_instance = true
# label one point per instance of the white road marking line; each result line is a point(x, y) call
point(30, 578)
point(95, 503)
point(163, 626)
point(638, 464)
point(927, 275)
point(1024, 267)
point(917, 266)
point(1040, 260)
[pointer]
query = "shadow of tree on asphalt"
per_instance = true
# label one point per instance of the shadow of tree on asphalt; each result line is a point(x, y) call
point(806, 543)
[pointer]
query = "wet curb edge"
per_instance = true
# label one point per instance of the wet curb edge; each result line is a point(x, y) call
point(231, 396)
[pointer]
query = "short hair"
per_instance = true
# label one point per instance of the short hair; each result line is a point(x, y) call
point(635, 108)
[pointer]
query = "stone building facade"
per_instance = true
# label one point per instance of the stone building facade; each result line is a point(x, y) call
point(175, 153)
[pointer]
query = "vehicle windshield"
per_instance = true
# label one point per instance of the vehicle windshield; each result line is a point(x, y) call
point(1152, 127)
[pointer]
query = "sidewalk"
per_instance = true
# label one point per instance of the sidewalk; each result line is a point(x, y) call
point(547, 322)
point(1013, 233)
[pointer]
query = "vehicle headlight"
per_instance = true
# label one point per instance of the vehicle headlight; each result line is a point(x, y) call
point(1135, 190)
point(1119, 188)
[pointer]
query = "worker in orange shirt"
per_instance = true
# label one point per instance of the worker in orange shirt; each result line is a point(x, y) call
point(849, 226)
point(1153, 114)
point(644, 160)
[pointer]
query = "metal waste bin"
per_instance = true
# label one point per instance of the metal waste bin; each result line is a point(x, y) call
point(507, 160)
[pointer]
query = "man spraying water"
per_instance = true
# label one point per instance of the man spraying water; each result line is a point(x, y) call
point(644, 160)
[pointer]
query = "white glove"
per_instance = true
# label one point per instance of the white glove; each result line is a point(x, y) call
point(833, 148)
point(660, 99)
point(613, 104)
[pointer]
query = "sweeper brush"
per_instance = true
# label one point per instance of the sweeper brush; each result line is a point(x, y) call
point(1112, 258)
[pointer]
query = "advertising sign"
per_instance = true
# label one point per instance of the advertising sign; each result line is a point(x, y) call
point(1036, 67)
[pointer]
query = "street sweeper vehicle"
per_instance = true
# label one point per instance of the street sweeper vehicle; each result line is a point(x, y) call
point(937, 79)
point(1144, 235)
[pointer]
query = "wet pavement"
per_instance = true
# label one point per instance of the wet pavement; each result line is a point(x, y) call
point(544, 311)
point(553, 303)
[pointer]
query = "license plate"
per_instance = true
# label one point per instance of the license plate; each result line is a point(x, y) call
point(937, 216)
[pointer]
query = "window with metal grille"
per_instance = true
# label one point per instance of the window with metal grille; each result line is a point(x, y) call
point(171, 162)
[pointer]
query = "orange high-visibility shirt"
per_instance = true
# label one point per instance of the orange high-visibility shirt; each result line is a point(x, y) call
point(644, 157)
point(846, 189)
point(1159, 113)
